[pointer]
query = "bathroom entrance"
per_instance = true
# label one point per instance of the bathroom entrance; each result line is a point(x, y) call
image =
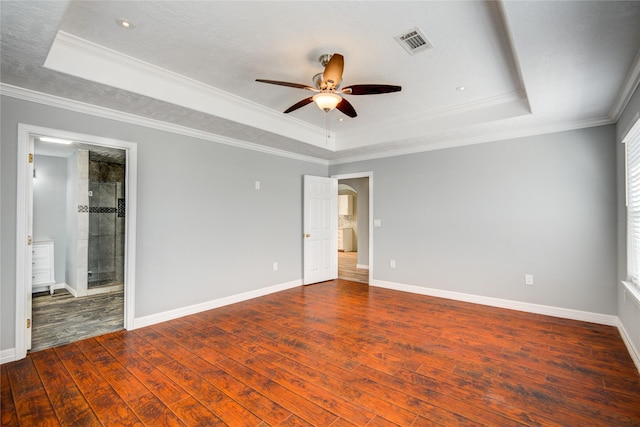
point(79, 210)
point(353, 228)
point(61, 263)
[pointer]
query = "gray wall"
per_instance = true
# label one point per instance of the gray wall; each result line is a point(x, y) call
point(203, 231)
point(50, 207)
point(361, 186)
point(476, 219)
point(628, 312)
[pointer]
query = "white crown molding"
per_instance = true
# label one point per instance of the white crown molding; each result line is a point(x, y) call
point(479, 139)
point(141, 322)
point(565, 313)
point(80, 58)
point(107, 113)
point(492, 109)
point(627, 90)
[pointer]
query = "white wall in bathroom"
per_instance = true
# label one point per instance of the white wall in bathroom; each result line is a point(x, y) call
point(49, 207)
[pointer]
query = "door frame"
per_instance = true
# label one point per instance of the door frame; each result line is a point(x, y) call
point(25, 205)
point(370, 231)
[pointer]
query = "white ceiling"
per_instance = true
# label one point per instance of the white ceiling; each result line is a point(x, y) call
point(527, 67)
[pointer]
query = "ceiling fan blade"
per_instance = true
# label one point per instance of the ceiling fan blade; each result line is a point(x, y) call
point(333, 70)
point(299, 104)
point(296, 85)
point(370, 89)
point(346, 107)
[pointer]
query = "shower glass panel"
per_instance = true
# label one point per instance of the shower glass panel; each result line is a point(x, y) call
point(106, 231)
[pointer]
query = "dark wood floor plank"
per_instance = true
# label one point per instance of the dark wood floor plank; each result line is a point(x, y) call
point(335, 354)
point(33, 406)
point(227, 409)
point(153, 379)
point(108, 406)
point(70, 405)
point(264, 408)
point(7, 405)
point(153, 412)
point(194, 413)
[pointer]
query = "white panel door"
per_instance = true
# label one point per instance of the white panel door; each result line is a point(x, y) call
point(320, 225)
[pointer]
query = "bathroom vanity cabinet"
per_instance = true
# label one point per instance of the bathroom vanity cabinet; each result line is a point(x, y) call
point(42, 271)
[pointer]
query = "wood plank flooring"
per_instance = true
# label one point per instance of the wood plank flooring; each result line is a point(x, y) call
point(335, 354)
point(348, 270)
point(60, 318)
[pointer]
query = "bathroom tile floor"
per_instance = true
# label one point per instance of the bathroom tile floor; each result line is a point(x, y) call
point(60, 318)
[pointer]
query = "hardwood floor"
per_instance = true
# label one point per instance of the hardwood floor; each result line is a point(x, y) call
point(348, 270)
point(337, 353)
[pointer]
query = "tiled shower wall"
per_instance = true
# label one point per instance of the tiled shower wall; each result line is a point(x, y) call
point(106, 223)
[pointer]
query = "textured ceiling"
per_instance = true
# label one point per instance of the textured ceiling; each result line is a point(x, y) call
point(527, 67)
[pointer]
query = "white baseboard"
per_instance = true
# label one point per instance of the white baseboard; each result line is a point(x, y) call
point(8, 355)
point(633, 351)
point(566, 313)
point(152, 319)
point(71, 290)
point(363, 266)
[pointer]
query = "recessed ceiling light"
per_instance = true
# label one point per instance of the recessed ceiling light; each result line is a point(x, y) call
point(55, 140)
point(460, 88)
point(125, 23)
point(341, 119)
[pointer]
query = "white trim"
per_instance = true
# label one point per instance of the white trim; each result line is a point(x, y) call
point(445, 142)
point(71, 290)
point(370, 176)
point(152, 319)
point(8, 355)
point(627, 90)
point(107, 113)
point(23, 269)
point(78, 57)
point(633, 351)
point(565, 313)
point(362, 266)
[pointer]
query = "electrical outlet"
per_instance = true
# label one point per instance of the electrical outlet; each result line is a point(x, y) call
point(275, 266)
point(392, 263)
point(528, 279)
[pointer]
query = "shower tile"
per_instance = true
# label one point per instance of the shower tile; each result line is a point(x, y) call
point(120, 269)
point(94, 224)
point(83, 225)
point(94, 250)
point(107, 266)
point(83, 191)
point(82, 253)
point(119, 245)
point(106, 223)
point(107, 247)
point(94, 171)
point(83, 164)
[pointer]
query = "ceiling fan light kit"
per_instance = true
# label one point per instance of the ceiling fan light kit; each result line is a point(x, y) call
point(328, 87)
point(327, 101)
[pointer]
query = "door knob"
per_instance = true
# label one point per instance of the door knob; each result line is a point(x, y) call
point(307, 235)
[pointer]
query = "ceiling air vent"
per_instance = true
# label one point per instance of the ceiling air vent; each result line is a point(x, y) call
point(414, 41)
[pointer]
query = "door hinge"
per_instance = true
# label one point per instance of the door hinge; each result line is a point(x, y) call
point(30, 157)
point(28, 323)
point(29, 240)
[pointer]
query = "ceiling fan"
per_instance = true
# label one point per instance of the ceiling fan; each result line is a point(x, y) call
point(327, 86)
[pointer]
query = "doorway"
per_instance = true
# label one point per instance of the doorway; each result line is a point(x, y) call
point(78, 242)
point(70, 276)
point(354, 223)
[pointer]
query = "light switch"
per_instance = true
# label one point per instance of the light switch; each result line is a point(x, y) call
point(377, 223)
point(257, 185)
